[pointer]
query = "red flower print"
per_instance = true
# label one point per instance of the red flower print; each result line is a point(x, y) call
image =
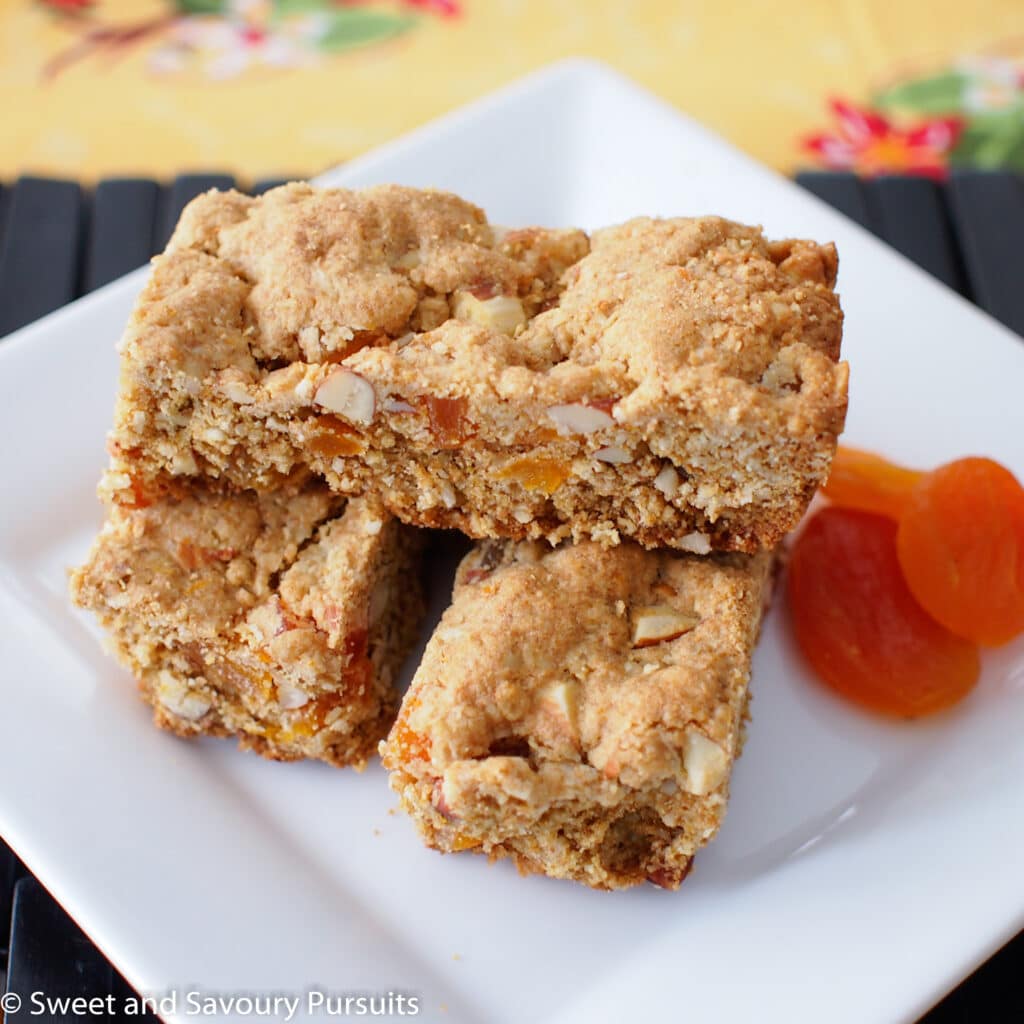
point(446, 8)
point(252, 35)
point(869, 143)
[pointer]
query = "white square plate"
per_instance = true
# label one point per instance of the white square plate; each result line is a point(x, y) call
point(864, 866)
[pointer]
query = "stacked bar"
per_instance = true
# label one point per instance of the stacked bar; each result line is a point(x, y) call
point(280, 618)
point(629, 422)
point(579, 709)
point(674, 382)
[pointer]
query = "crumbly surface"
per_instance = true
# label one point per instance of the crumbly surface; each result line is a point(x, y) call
point(579, 709)
point(672, 381)
point(281, 618)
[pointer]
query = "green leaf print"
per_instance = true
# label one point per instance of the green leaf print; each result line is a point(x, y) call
point(940, 94)
point(283, 8)
point(992, 141)
point(201, 6)
point(352, 27)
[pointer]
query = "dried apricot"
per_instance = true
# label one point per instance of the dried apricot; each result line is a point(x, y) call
point(359, 673)
point(408, 745)
point(536, 473)
point(860, 627)
point(859, 479)
point(448, 420)
point(961, 548)
point(404, 743)
point(136, 495)
point(330, 436)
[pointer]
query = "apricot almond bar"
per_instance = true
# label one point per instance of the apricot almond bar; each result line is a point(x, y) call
point(579, 709)
point(280, 618)
point(672, 381)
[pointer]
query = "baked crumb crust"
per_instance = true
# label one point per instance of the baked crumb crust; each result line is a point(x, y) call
point(579, 709)
point(671, 381)
point(281, 618)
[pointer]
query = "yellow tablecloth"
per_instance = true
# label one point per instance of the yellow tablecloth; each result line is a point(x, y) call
point(96, 87)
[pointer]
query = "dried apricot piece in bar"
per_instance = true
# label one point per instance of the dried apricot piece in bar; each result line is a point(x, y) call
point(448, 420)
point(961, 548)
point(860, 627)
point(863, 480)
point(536, 473)
point(405, 741)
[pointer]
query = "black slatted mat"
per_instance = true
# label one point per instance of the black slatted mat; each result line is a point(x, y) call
point(11, 870)
point(56, 241)
point(989, 213)
point(124, 211)
point(843, 191)
point(40, 251)
point(911, 215)
point(50, 954)
point(54, 967)
point(5, 202)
